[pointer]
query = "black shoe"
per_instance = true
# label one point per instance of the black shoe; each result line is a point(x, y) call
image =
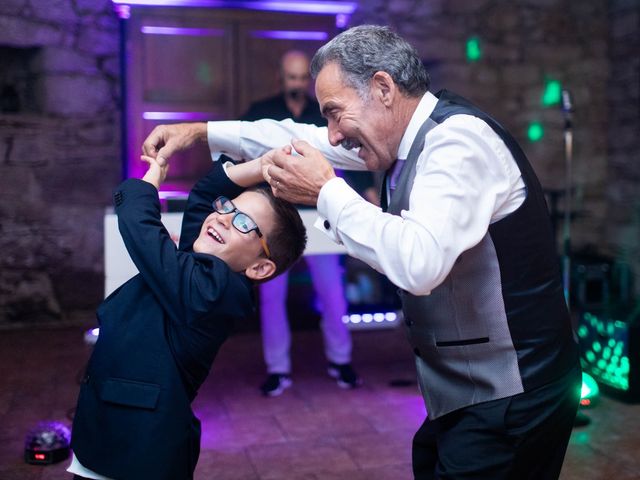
point(275, 384)
point(344, 375)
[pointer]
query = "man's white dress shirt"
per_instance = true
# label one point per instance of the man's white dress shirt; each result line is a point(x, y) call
point(466, 179)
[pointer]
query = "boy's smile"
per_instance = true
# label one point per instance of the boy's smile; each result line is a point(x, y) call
point(220, 238)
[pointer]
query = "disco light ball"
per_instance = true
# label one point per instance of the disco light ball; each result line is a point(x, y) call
point(48, 442)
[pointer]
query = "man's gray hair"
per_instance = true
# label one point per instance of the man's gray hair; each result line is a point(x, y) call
point(362, 51)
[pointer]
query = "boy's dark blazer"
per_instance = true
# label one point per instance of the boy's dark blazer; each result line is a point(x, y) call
point(159, 334)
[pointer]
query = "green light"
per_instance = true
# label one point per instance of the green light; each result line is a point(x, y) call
point(583, 331)
point(474, 52)
point(589, 387)
point(535, 132)
point(590, 356)
point(596, 346)
point(203, 73)
point(619, 348)
point(552, 93)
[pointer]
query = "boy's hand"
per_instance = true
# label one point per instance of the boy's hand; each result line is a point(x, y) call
point(156, 173)
point(267, 160)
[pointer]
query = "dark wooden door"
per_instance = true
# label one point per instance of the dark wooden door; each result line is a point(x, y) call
point(198, 64)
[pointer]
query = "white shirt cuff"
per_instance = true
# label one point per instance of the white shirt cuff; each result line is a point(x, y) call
point(334, 196)
point(224, 137)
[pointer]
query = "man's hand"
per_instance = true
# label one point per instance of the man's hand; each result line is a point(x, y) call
point(165, 140)
point(156, 173)
point(297, 177)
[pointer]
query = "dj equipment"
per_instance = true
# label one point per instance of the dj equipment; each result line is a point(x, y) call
point(610, 344)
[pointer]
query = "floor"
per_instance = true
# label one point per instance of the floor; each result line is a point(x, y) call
point(315, 430)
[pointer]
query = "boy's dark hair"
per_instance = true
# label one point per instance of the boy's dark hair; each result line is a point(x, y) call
point(288, 238)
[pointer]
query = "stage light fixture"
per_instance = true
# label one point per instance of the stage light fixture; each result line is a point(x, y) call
point(589, 392)
point(47, 443)
point(91, 336)
point(371, 320)
point(610, 344)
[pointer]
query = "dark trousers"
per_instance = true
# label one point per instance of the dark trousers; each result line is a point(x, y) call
point(519, 437)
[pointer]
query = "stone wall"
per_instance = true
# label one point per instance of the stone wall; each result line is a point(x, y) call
point(623, 188)
point(523, 44)
point(59, 154)
point(592, 49)
point(59, 131)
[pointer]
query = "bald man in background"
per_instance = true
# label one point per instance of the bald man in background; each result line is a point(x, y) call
point(325, 270)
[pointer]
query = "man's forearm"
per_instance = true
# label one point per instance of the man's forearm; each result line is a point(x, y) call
point(249, 140)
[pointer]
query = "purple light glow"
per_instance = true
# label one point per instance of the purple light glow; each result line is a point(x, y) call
point(195, 32)
point(300, 6)
point(123, 11)
point(195, 116)
point(290, 34)
point(165, 194)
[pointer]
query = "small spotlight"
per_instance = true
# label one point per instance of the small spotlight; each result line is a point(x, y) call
point(589, 392)
point(47, 443)
point(91, 336)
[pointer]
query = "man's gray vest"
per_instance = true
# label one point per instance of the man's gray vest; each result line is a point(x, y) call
point(498, 325)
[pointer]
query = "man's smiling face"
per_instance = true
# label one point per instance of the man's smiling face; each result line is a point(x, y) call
point(355, 122)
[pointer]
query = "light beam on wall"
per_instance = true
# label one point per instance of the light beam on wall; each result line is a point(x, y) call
point(182, 116)
point(301, 6)
point(290, 34)
point(193, 32)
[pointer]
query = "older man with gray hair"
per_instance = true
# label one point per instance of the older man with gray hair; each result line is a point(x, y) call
point(463, 232)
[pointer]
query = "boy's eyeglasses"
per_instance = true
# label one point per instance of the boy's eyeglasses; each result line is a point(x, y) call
point(241, 221)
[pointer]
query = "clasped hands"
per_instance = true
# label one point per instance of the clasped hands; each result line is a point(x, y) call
point(296, 172)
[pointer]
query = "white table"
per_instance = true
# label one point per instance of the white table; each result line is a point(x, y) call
point(118, 267)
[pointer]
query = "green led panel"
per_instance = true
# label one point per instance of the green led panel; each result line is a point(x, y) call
point(605, 353)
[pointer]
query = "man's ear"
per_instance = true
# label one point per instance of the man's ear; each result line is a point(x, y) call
point(384, 87)
point(261, 269)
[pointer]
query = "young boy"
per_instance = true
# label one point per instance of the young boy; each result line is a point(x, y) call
point(160, 331)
